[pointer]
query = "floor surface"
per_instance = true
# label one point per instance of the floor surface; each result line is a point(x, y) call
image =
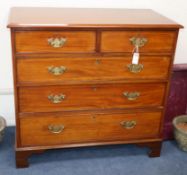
point(103, 160)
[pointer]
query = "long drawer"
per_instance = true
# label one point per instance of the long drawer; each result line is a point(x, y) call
point(54, 129)
point(55, 41)
point(152, 41)
point(38, 70)
point(82, 97)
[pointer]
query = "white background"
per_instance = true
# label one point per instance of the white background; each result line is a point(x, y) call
point(174, 9)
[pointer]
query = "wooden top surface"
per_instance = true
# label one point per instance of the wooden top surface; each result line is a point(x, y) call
point(87, 17)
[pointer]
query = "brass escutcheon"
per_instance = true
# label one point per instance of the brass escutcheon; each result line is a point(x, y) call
point(97, 61)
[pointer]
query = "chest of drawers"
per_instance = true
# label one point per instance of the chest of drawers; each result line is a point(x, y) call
point(75, 84)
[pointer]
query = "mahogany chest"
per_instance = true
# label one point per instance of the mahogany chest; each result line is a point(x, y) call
point(87, 77)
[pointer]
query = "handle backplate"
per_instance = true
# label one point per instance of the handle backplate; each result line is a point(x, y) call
point(56, 70)
point(57, 42)
point(135, 68)
point(56, 98)
point(138, 42)
point(128, 124)
point(131, 95)
point(56, 129)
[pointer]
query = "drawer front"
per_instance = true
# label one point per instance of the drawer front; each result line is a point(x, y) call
point(119, 41)
point(90, 69)
point(54, 129)
point(54, 41)
point(62, 98)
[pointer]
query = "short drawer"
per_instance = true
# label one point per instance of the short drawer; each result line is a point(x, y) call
point(151, 41)
point(83, 97)
point(54, 41)
point(54, 129)
point(41, 70)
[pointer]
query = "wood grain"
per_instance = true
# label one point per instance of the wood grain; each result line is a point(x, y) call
point(118, 41)
point(35, 99)
point(37, 41)
point(35, 17)
point(87, 128)
point(35, 70)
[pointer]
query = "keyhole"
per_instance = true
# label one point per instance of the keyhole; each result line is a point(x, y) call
point(94, 88)
point(97, 61)
point(93, 116)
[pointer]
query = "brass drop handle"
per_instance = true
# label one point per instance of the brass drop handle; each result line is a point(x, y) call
point(131, 95)
point(56, 42)
point(135, 68)
point(138, 42)
point(128, 124)
point(56, 70)
point(56, 129)
point(56, 98)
